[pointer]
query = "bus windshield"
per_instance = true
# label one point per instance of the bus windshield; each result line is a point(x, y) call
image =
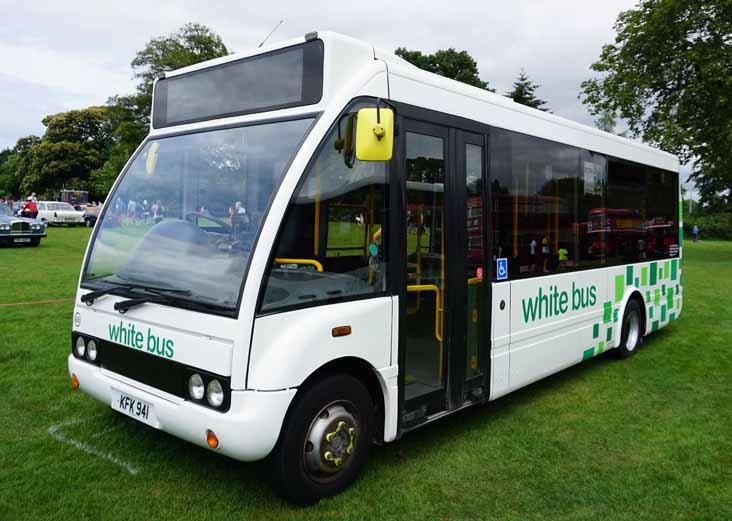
point(187, 209)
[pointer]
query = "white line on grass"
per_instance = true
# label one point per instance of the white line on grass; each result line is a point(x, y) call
point(107, 430)
point(55, 432)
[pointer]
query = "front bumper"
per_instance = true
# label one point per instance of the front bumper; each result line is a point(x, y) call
point(248, 431)
point(10, 238)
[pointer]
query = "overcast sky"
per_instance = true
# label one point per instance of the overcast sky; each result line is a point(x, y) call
point(61, 55)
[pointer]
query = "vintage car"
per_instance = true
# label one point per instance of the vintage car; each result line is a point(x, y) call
point(19, 230)
point(55, 212)
point(91, 213)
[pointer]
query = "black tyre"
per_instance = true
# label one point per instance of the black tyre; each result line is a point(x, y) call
point(632, 332)
point(325, 440)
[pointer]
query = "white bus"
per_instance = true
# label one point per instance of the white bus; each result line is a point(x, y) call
point(339, 247)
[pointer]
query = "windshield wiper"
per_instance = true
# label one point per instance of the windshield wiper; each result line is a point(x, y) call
point(90, 297)
point(163, 298)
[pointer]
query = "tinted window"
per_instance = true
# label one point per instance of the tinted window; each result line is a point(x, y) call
point(624, 215)
point(662, 210)
point(331, 242)
point(557, 208)
point(590, 228)
point(284, 78)
point(534, 206)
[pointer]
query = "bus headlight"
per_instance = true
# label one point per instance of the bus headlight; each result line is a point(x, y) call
point(215, 393)
point(195, 386)
point(80, 347)
point(91, 350)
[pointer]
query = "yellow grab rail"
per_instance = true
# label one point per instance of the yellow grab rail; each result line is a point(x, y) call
point(475, 280)
point(308, 262)
point(417, 288)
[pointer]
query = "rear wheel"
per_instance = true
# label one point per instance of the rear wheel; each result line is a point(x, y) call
point(632, 333)
point(325, 440)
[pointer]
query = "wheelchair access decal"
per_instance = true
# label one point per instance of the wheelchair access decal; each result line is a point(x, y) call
point(501, 269)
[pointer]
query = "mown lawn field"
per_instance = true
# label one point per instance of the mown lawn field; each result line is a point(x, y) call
point(645, 438)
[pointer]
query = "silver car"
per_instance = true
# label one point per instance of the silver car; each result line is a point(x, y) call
point(19, 231)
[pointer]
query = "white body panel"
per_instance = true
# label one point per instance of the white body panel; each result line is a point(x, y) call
point(247, 432)
point(206, 342)
point(411, 85)
point(500, 339)
point(288, 347)
point(268, 357)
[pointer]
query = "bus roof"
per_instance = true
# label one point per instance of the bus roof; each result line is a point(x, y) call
point(346, 56)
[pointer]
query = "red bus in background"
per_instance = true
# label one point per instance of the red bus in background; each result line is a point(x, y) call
point(624, 232)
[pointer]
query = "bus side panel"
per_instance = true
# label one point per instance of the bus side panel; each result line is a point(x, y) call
point(288, 347)
point(554, 321)
point(500, 339)
point(658, 282)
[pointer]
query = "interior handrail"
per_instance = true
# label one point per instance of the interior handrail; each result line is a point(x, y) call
point(308, 262)
point(416, 288)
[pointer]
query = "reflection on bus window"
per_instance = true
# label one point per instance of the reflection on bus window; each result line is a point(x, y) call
point(557, 208)
point(331, 244)
point(188, 207)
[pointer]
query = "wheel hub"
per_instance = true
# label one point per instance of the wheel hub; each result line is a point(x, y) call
point(331, 440)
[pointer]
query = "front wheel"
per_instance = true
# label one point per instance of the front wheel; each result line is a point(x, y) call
point(325, 440)
point(631, 334)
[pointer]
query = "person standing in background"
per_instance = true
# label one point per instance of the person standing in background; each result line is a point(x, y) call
point(545, 254)
point(532, 255)
point(695, 232)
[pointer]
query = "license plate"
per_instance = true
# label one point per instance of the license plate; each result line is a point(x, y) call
point(134, 407)
point(21, 239)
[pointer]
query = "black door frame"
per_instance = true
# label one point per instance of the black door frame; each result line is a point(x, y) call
point(468, 390)
point(455, 386)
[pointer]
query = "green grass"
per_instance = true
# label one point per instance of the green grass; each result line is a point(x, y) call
point(645, 438)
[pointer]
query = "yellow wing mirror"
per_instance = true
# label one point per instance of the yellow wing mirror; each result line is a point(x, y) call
point(374, 134)
point(151, 160)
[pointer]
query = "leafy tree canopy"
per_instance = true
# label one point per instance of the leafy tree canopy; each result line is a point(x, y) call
point(90, 126)
point(190, 44)
point(130, 115)
point(524, 92)
point(669, 76)
point(457, 65)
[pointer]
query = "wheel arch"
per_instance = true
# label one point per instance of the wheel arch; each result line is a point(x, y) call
point(632, 294)
point(364, 372)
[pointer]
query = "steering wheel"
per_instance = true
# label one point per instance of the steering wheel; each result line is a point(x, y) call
point(192, 216)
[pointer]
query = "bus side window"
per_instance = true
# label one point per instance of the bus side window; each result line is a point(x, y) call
point(331, 244)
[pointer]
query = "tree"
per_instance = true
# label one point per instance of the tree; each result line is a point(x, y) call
point(669, 76)
point(75, 143)
point(192, 43)
point(524, 92)
point(12, 163)
point(607, 123)
point(457, 65)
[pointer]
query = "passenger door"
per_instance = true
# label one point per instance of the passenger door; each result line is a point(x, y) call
point(424, 352)
point(444, 317)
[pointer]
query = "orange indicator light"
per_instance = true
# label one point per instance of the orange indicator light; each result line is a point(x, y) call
point(74, 381)
point(341, 331)
point(211, 439)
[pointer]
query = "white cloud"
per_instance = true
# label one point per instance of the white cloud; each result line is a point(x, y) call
point(80, 50)
point(82, 76)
